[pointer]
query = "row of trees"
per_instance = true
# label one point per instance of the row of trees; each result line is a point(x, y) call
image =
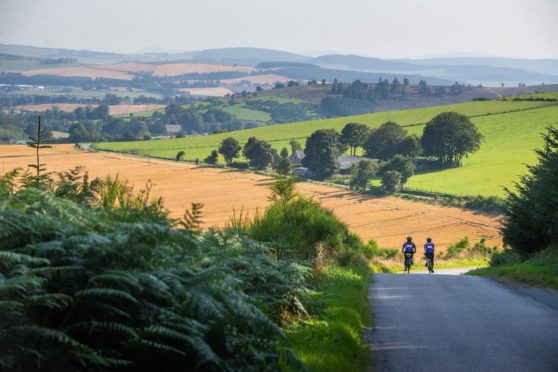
point(448, 137)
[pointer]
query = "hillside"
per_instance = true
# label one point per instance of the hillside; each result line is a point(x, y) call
point(511, 129)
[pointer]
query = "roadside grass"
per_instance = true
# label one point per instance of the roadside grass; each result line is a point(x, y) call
point(511, 130)
point(541, 270)
point(334, 342)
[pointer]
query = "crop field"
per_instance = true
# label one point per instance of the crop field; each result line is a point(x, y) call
point(256, 79)
point(208, 92)
point(177, 69)
point(388, 219)
point(511, 130)
point(82, 71)
point(113, 109)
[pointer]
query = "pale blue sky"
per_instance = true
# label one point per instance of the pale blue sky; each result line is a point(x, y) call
point(394, 28)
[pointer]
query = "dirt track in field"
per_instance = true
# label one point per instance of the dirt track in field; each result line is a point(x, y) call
point(388, 220)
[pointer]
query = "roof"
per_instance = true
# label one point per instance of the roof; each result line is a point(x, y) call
point(172, 128)
point(297, 156)
point(347, 161)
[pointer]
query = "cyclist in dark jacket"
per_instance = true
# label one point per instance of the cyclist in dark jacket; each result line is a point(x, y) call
point(409, 247)
point(429, 251)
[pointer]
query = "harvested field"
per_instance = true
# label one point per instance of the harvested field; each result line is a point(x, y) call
point(387, 219)
point(66, 107)
point(69, 107)
point(256, 79)
point(132, 67)
point(177, 69)
point(132, 109)
point(209, 92)
point(90, 72)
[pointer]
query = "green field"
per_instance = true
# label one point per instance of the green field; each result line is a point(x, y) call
point(246, 114)
point(511, 129)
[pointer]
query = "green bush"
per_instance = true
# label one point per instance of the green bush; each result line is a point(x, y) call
point(106, 288)
point(301, 226)
point(505, 257)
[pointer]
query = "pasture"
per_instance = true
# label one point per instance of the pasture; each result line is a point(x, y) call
point(511, 130)
point(224, 193)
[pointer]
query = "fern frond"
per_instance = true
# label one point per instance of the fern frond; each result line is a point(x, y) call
point(50, 300)
point(105, 294)
point(107, 328)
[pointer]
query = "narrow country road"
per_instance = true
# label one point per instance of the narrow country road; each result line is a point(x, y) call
point(459, 323)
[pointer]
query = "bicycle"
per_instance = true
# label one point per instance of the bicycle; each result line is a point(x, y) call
point(408, 262)
point(428, 262)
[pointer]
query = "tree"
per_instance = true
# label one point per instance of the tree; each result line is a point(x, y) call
point(353, 135)
point(449, 137)
point(37, 143)
point(212, 159)
point(230, 149)
point(410, 147)
point(179, 155)
point(258, 152)
point(404, 166)
point(531, 216)
point(423, 88)
point(382, 143)
point(406, 82)
point(322, 149)
point(295, 146)
point(284, 166)
point(391, 181)
point(362, 173)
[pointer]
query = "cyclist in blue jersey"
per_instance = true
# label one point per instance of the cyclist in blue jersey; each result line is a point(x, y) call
point(409, 248)
point(429, 251)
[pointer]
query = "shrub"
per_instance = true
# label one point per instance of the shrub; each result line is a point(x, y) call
point(303, 226)
point(86, 288)
point(391, 181)
point(505, 257)
point(239, 165)
point(405, 166)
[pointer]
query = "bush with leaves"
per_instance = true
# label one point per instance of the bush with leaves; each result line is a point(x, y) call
point(362, 173)
point(391, 181)
point(531, 216)
point(405, 166)
point(112, 285)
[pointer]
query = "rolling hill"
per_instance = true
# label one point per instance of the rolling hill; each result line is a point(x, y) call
point(511, 130)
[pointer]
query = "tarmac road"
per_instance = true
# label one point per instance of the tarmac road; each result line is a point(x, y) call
point(460, 323)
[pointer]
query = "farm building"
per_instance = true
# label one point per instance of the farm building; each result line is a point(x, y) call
point(346, 162)
point(172, 128)
point(297, 156)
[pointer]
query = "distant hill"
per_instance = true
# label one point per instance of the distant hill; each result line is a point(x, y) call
point(442, 71)
point(247, 56)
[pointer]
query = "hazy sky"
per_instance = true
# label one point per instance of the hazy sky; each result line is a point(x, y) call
point(394, 28)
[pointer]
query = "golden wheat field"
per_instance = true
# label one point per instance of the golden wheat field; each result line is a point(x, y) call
point(90, 72)
point(388, 220)
point(69, 107)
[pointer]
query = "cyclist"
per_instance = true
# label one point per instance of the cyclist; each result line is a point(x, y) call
point(429, 251)
point(409, 248)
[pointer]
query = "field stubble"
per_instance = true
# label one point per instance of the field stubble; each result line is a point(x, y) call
point(388, 220)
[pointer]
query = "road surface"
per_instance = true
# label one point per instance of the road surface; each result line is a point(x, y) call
point(459, 323)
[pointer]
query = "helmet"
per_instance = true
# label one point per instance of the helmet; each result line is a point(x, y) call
point(409, 238)
point(429, 239)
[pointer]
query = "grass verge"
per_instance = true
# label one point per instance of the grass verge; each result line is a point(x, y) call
point(541, 270)
point(334, 342)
